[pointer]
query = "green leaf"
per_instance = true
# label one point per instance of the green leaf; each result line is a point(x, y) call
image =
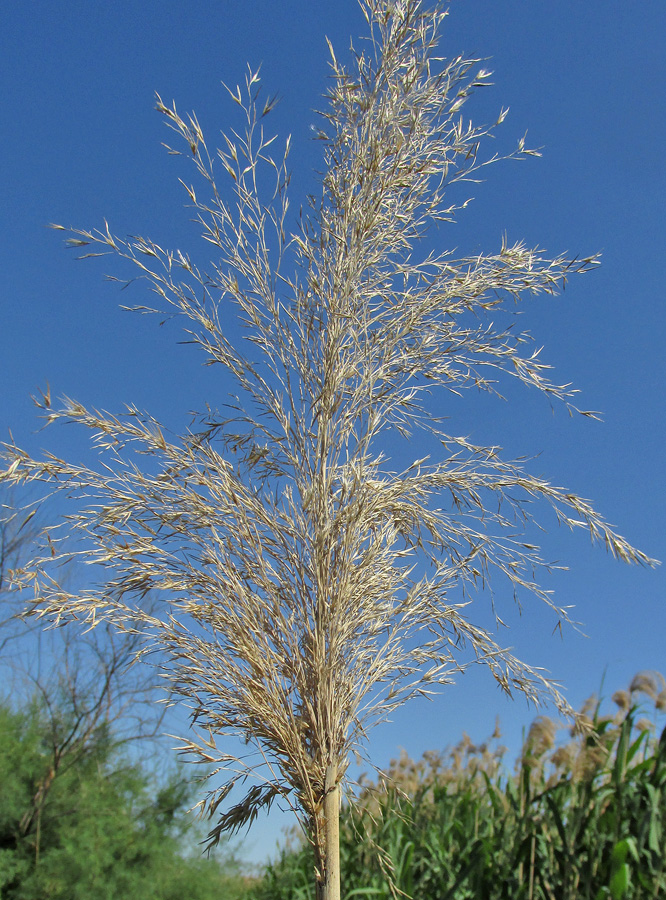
point(619, 883)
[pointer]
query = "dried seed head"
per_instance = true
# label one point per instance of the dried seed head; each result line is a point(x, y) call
point(280, 539)
point(645, 683)
point(563, 758)
point(541, 736)
point(622, 699)
point(590, 706)
point(644, 725)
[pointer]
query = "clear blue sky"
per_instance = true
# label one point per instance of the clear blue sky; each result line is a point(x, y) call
point(82, 142)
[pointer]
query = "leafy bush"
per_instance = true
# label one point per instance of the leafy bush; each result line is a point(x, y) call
point(95, 824)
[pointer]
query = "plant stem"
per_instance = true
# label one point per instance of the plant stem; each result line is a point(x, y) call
point(328, 882)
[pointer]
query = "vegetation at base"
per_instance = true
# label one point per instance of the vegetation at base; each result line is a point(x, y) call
point(582, 818)
point(97, 824)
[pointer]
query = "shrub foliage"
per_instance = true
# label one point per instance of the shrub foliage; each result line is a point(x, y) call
point(97, 824)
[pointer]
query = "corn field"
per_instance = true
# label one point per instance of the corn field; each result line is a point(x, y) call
point(580, 818)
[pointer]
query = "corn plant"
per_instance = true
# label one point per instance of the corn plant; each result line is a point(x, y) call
point(310, 588)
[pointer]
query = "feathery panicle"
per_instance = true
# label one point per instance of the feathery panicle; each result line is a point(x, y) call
point(309, 588)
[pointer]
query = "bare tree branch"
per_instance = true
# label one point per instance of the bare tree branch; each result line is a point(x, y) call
point(18, 531)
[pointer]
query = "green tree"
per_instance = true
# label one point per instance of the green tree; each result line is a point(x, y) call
point(104, 827)
point(87, 682)
point(309, 588)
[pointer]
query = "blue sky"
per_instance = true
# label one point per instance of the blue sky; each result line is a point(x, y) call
point(82, 143)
